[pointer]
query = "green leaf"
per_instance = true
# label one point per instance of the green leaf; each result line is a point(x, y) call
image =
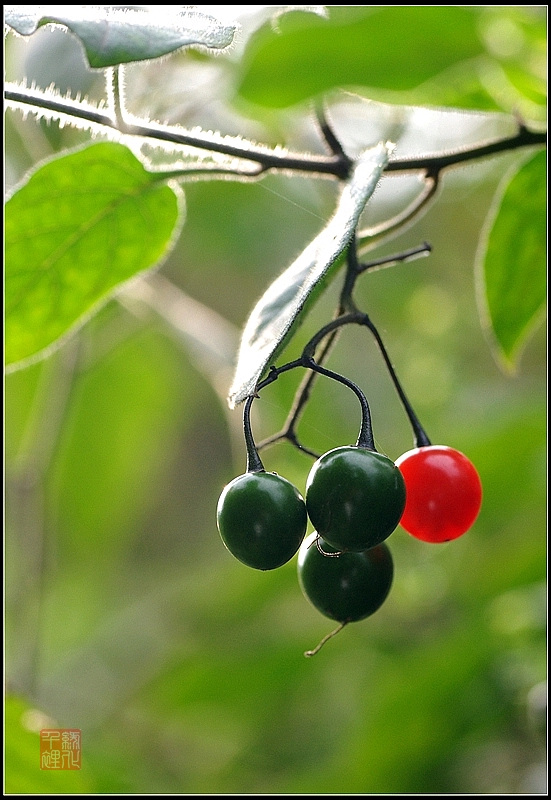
point(113, 35)
point(286, 301)
point(391, 48)
point(76, 230)
point(512, 259)
point(93, 518)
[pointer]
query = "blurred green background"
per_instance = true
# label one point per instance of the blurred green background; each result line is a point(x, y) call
point(125, 616)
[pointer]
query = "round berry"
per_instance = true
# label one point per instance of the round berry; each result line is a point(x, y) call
point(443, 493)
point(346, 587)
point(262, 519)
point(355, 498)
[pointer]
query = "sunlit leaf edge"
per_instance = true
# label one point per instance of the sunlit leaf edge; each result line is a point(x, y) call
point(52, 347)
point(507, 361)
point(136, 35)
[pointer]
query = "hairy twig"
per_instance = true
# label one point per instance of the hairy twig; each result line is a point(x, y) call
point(336, 165)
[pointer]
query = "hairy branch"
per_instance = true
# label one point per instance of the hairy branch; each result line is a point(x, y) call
point(337, 164)
point(433, 165)
point(268, 158)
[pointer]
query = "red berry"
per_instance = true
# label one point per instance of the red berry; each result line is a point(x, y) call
point(443, 493)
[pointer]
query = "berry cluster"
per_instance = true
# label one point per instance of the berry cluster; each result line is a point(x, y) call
point(355, 498)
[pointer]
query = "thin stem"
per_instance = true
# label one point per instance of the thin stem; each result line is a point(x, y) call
point(347, 313)
point(346, 303)
point(292, 438)
point(310, 653)
point(58, 105)
point(323, 552)
point(386, 261)
point(420, 436)
point(365, 437)
point(333, 325)
point(435, 164)
point(361, 318)
point(275, 372)
point(254, 463)
point(115, 86)
point(329, 135)
point(369, 236)
point(331, 331)
point(268, 159)
point(302, 396)
point(354, 269)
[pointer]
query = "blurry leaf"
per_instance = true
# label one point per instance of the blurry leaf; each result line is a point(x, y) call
point(533, 87)
point(114, 35)
point(513, 90)
point(126, 416)
point(80, 226)
point(23, 775)
point(288, 298)
point(393, 48)
point(512, 259)
point(512, 77)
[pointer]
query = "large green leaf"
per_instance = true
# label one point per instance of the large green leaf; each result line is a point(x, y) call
point(114, 35)
point(79, 227)
point(286, 301)
point(512, 259)
point(391, 48)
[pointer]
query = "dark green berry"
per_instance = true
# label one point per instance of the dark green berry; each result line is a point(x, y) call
point(355, 498)
point(262, 519)
point(345, 587)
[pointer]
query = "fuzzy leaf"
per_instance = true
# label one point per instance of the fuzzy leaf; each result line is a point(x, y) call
point(513, 257)
point(78, 228)
point(113, 35)
point(286, 301)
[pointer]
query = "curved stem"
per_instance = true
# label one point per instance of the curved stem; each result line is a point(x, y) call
point(365, 437)
point(254, 463)
point(329, 135)
point(323, 552)
point(347, 313)
point(301, 397)
point(275, 372)
point(333, 325)
point(317, 648)
point(368, 236)
point(288, 431)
